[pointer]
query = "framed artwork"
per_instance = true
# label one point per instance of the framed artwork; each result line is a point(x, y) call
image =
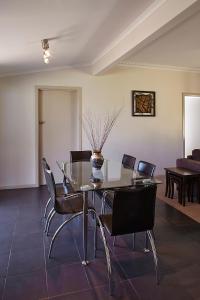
point(143, 104)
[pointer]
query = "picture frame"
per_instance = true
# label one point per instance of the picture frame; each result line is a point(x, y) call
point(143, 103)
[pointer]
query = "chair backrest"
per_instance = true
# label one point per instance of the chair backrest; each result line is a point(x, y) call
point(133, 210)
point(45, 166)
point(80, 155)
point(146, 168)
point(50, 184)
point(128, 161)
point(66, 182)
point(67, 185)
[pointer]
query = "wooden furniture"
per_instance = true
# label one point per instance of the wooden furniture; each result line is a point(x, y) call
point(185, 180)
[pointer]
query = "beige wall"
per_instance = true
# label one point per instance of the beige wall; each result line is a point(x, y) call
point(156, 139)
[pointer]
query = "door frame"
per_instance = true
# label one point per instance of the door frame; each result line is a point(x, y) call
point(183, 115)
point(78, 91)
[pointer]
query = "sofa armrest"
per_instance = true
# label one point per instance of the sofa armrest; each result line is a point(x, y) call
point(189, 156)
point(189, 164)
point(196, 154)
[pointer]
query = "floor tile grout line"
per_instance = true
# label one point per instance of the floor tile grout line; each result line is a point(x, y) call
point(128, 279)
point(66, 294)
point(75, 242)
point(122, 270)
point(45, 265)
point(71, 264)
point(134, 289)
point(10, 252)
point(101, 285)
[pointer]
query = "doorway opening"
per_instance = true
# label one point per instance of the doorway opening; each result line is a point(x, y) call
point(191, 123)
point(58, 127)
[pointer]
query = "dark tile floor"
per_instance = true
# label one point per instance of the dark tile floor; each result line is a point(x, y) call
point(27, 274)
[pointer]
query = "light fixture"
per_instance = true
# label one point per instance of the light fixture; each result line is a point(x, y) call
point(46, 52)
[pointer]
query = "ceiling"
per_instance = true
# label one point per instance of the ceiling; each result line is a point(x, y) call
point(178, 48)
point(94, 35)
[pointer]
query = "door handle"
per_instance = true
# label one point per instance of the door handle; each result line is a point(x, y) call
point(41, 122)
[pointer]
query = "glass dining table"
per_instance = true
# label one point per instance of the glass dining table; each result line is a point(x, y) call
point(84, 178)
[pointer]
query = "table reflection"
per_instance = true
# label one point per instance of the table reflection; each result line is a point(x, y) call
point(111, 175)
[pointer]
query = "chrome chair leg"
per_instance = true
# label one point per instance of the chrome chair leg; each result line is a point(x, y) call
point(107, 257)
point(103, 207)
point(60, 228)
point(151, 239)
point(48, 217)
point(46, 206)
point(63, 224)
point(103, 202)
point(95, 239)
point(93, 211)
point(146, 249)
point(49, 223)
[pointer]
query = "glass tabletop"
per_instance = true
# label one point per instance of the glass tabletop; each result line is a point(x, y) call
point(112, 174)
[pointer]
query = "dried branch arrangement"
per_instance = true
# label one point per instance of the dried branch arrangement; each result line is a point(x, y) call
point(97, 129)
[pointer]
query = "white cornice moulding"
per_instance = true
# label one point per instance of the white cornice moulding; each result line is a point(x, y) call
point(158, 67)
point(157, 21)
point(35, 71)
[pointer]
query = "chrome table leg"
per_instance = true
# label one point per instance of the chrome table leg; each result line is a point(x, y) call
point(85, 226)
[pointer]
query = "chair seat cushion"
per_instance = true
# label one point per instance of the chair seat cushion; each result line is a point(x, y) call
point(59, 190)
point(70, 205)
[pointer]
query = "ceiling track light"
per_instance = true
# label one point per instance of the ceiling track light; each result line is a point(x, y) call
point(46, 52)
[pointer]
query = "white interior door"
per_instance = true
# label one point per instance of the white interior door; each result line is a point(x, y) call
point(58, 128)
point(191, 123)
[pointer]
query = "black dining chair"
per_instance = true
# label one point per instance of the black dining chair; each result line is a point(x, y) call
point(66, 182)
point(84, 155)
point(45, 166)
point(128, 161)
point(71, 204)
point(59, 191)
point(78, 156)
point(146, 168)
point(133, 211)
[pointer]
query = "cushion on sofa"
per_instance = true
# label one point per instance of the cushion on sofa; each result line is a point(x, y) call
point(196, 154)
point(189, 164)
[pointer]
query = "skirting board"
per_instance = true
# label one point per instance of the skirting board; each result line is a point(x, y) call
point(12, 187)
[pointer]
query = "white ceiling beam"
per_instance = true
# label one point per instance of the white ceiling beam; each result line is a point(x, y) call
point(158, 19)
